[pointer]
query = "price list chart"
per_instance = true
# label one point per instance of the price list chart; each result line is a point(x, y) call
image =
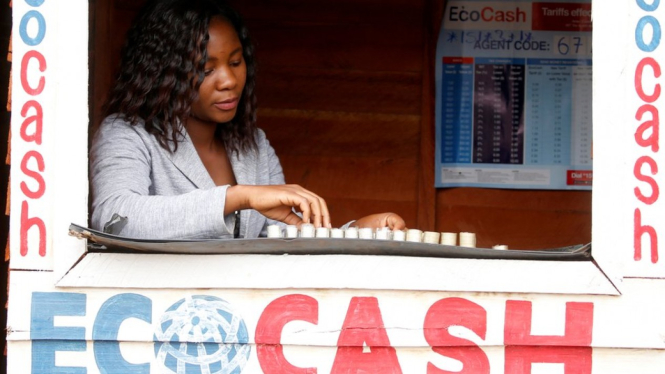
point(514, 95)
point(497, 111)
point(582, 125)
point(534, 112)
point(458, 106)
point(549, 115)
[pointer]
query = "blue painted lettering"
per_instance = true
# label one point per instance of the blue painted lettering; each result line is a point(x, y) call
point(41, 28)
point(655, 37)
point(648, 7)
point(105, 332)
point(47, 338)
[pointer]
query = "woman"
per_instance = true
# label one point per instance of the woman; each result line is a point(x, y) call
point(180, 154)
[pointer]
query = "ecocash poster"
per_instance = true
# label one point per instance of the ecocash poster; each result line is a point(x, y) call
point(513, 95)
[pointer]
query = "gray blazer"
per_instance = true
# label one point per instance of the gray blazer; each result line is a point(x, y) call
point(170, 195)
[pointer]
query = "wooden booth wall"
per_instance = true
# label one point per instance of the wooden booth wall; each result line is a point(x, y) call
point(346, 97)
point(5, 117)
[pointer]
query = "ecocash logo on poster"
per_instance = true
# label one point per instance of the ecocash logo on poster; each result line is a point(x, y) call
point(488, 15)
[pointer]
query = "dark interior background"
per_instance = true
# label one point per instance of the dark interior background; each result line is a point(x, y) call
point(346, 97)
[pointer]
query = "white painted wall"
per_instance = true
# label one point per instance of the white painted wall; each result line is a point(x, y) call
point(624, 331)
point(49, 167)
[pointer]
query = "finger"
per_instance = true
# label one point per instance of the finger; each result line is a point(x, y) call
point(319, 209)
point(315, 204)
point(324, 216)
point(292, 219)
point(396, 222)
point(302, 204)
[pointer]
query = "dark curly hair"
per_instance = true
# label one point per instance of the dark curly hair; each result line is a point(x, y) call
point(162, 68)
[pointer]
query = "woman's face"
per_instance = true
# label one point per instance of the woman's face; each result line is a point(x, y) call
point(225, 74)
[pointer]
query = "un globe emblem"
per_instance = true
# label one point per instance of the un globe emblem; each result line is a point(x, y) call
point(202, 335)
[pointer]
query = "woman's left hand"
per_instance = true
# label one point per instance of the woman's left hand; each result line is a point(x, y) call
point(380, 220)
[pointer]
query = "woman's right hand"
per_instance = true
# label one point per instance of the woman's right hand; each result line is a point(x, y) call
point(277, 202)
